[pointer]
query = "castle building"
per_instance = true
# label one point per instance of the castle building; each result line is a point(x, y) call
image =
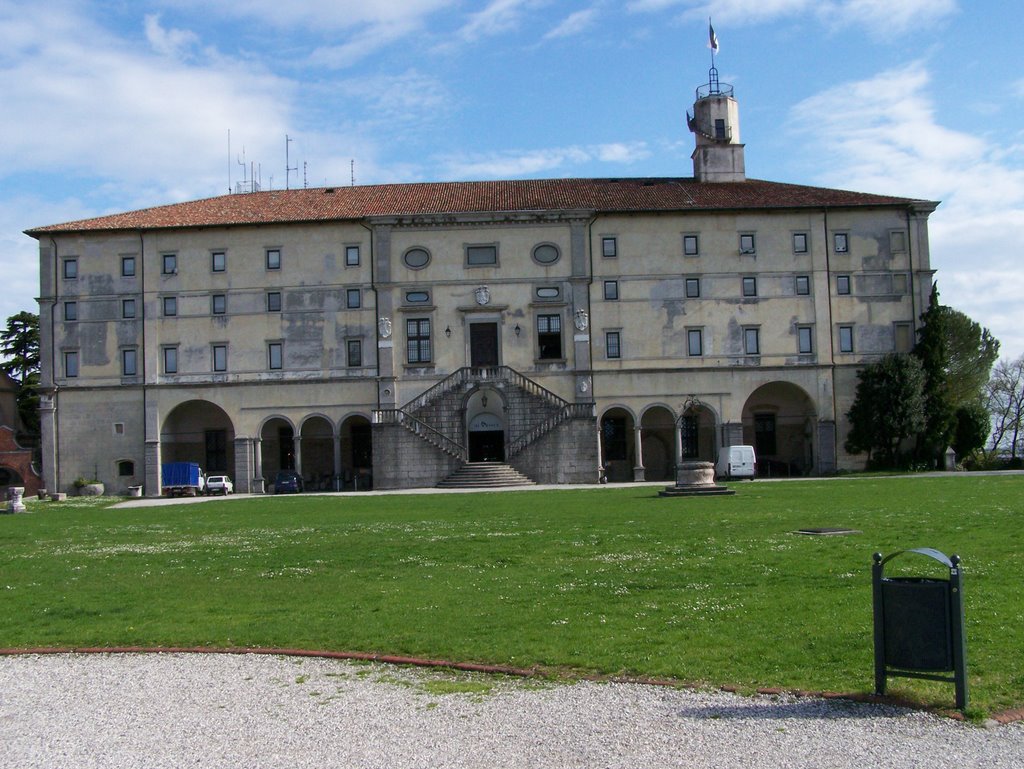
point(575, 329)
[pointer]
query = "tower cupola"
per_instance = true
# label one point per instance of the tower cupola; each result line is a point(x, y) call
point(718, 156)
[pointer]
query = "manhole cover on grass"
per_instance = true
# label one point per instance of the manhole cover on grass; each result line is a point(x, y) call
point(828, 531)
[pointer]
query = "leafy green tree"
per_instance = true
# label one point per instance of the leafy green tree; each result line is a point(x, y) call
point(19, 343)
point(888, 408)
point(971, 353)
point(973, 425)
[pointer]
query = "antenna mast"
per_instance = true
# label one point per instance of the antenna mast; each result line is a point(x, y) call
point(288, 168)
point(352, 171)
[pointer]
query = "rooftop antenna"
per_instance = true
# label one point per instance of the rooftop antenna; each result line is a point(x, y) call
point(288, 168)
point(352, 171)
point(241, 161)
point(305, 175)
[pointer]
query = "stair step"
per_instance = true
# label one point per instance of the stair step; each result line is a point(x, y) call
point(482, 475)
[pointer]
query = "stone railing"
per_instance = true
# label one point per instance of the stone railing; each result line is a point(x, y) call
point(423, 430)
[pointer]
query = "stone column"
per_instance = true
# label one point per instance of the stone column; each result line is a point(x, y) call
point(638, 469)
point(601, 476)
point(48, 433)
point(297, 453)
point(826, 457)
point(258, 482)
point(679, 442)
point(337, 461)
point(243, 464)
point(154, 481)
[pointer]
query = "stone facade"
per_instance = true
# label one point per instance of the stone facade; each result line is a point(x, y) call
point(388, 334)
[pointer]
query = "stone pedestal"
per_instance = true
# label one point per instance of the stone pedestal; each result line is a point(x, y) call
point(14, 503)
point(695, 479)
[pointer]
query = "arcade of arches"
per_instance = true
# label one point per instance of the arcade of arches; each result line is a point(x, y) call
point(326, 456)
point(779, 419)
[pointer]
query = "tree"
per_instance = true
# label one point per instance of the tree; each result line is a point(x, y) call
point(888, 408)
point(957, 355)
point(19, 342)
point(1005, 402)
point(973, 424)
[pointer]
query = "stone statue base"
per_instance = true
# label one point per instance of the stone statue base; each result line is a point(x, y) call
point(695, 479)
point(14, 496)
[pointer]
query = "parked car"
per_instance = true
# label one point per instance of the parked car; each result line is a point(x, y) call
point(287, 482)
point(219, 484)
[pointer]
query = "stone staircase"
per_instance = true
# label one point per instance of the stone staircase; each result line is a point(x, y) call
point(484, 475)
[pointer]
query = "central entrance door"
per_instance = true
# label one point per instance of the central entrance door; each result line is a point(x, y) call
point(483, 344)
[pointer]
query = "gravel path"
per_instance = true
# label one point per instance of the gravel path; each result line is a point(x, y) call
point(252, 711)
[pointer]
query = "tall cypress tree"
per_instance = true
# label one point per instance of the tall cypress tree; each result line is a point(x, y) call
point(932, 349)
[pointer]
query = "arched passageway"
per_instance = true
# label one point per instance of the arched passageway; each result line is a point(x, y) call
point(779, 421)
point(617, 445)
point(199, 431)
point(356, 453)
point(658, 444)
point(317, 454)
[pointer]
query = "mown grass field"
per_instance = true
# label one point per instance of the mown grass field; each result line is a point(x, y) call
point(610, 580)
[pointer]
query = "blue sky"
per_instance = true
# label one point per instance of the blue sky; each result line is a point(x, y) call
point(113, 105)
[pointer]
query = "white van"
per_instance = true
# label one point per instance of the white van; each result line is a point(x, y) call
point(736, 462)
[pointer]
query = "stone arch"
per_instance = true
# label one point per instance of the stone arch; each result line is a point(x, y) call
point(779, 421)
point(618, 454)
point(356, 452)
point(277, 445)
point(199, 431)
point(698, 427)
point(486, 429)
point(316, 450)
point(658, 443)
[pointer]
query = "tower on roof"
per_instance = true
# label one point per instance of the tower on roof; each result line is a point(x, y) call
point(718, 156)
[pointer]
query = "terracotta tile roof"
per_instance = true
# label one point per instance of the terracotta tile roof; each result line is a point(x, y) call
point(599, 195)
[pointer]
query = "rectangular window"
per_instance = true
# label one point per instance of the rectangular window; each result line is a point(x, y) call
point(842, 242)
point(170, 264)
point(129, 362)
point(273, 258)
point(903, 334)
point(799, 242)
point(613, 344)
point(127, 309)
point(275, 357)
point(220, 357)
point(71, 364)
point(609, 247)
point(691, 245)
point(353, 298)
point(748, 245)
point(219, 304)
point(417, 340)
point(218, 261)
point(897, 241)
point(611, 290)
point(750, 286)
point(481, 256)
point(170, 360)
point(170, 306)
point(842, 284)
point(70, 267)
point(692, 288)
point(752, 341)
point(354, 348)
point(846, 339)
point(273, 301)
point(720, 128)
point(694, 342)
point(351, 256)
point(70, 310)
point(127, 266)
point(805, 339)
point(549, 337)
point(803, 285)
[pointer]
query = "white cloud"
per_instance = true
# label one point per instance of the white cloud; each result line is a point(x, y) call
point(169, 42)
point(557, 160)
point(573, 24)
point(882, 17)
point(868, 140)
point(497, 17)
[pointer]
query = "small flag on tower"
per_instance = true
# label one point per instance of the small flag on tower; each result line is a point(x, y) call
point(712, 39)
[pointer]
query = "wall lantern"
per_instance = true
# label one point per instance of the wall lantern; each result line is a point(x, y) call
point(448, 331)
point(483, 400)
point(518, 330)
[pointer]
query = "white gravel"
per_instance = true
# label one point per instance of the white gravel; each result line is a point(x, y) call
point(252, 711)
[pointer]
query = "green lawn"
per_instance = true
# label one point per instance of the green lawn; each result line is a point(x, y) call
point(703, 590)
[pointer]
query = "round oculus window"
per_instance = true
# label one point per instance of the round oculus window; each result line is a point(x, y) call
point(416, 258)
point(417, 297)
point(546, 254)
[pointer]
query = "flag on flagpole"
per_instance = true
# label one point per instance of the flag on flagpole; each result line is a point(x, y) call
point(712, 39)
